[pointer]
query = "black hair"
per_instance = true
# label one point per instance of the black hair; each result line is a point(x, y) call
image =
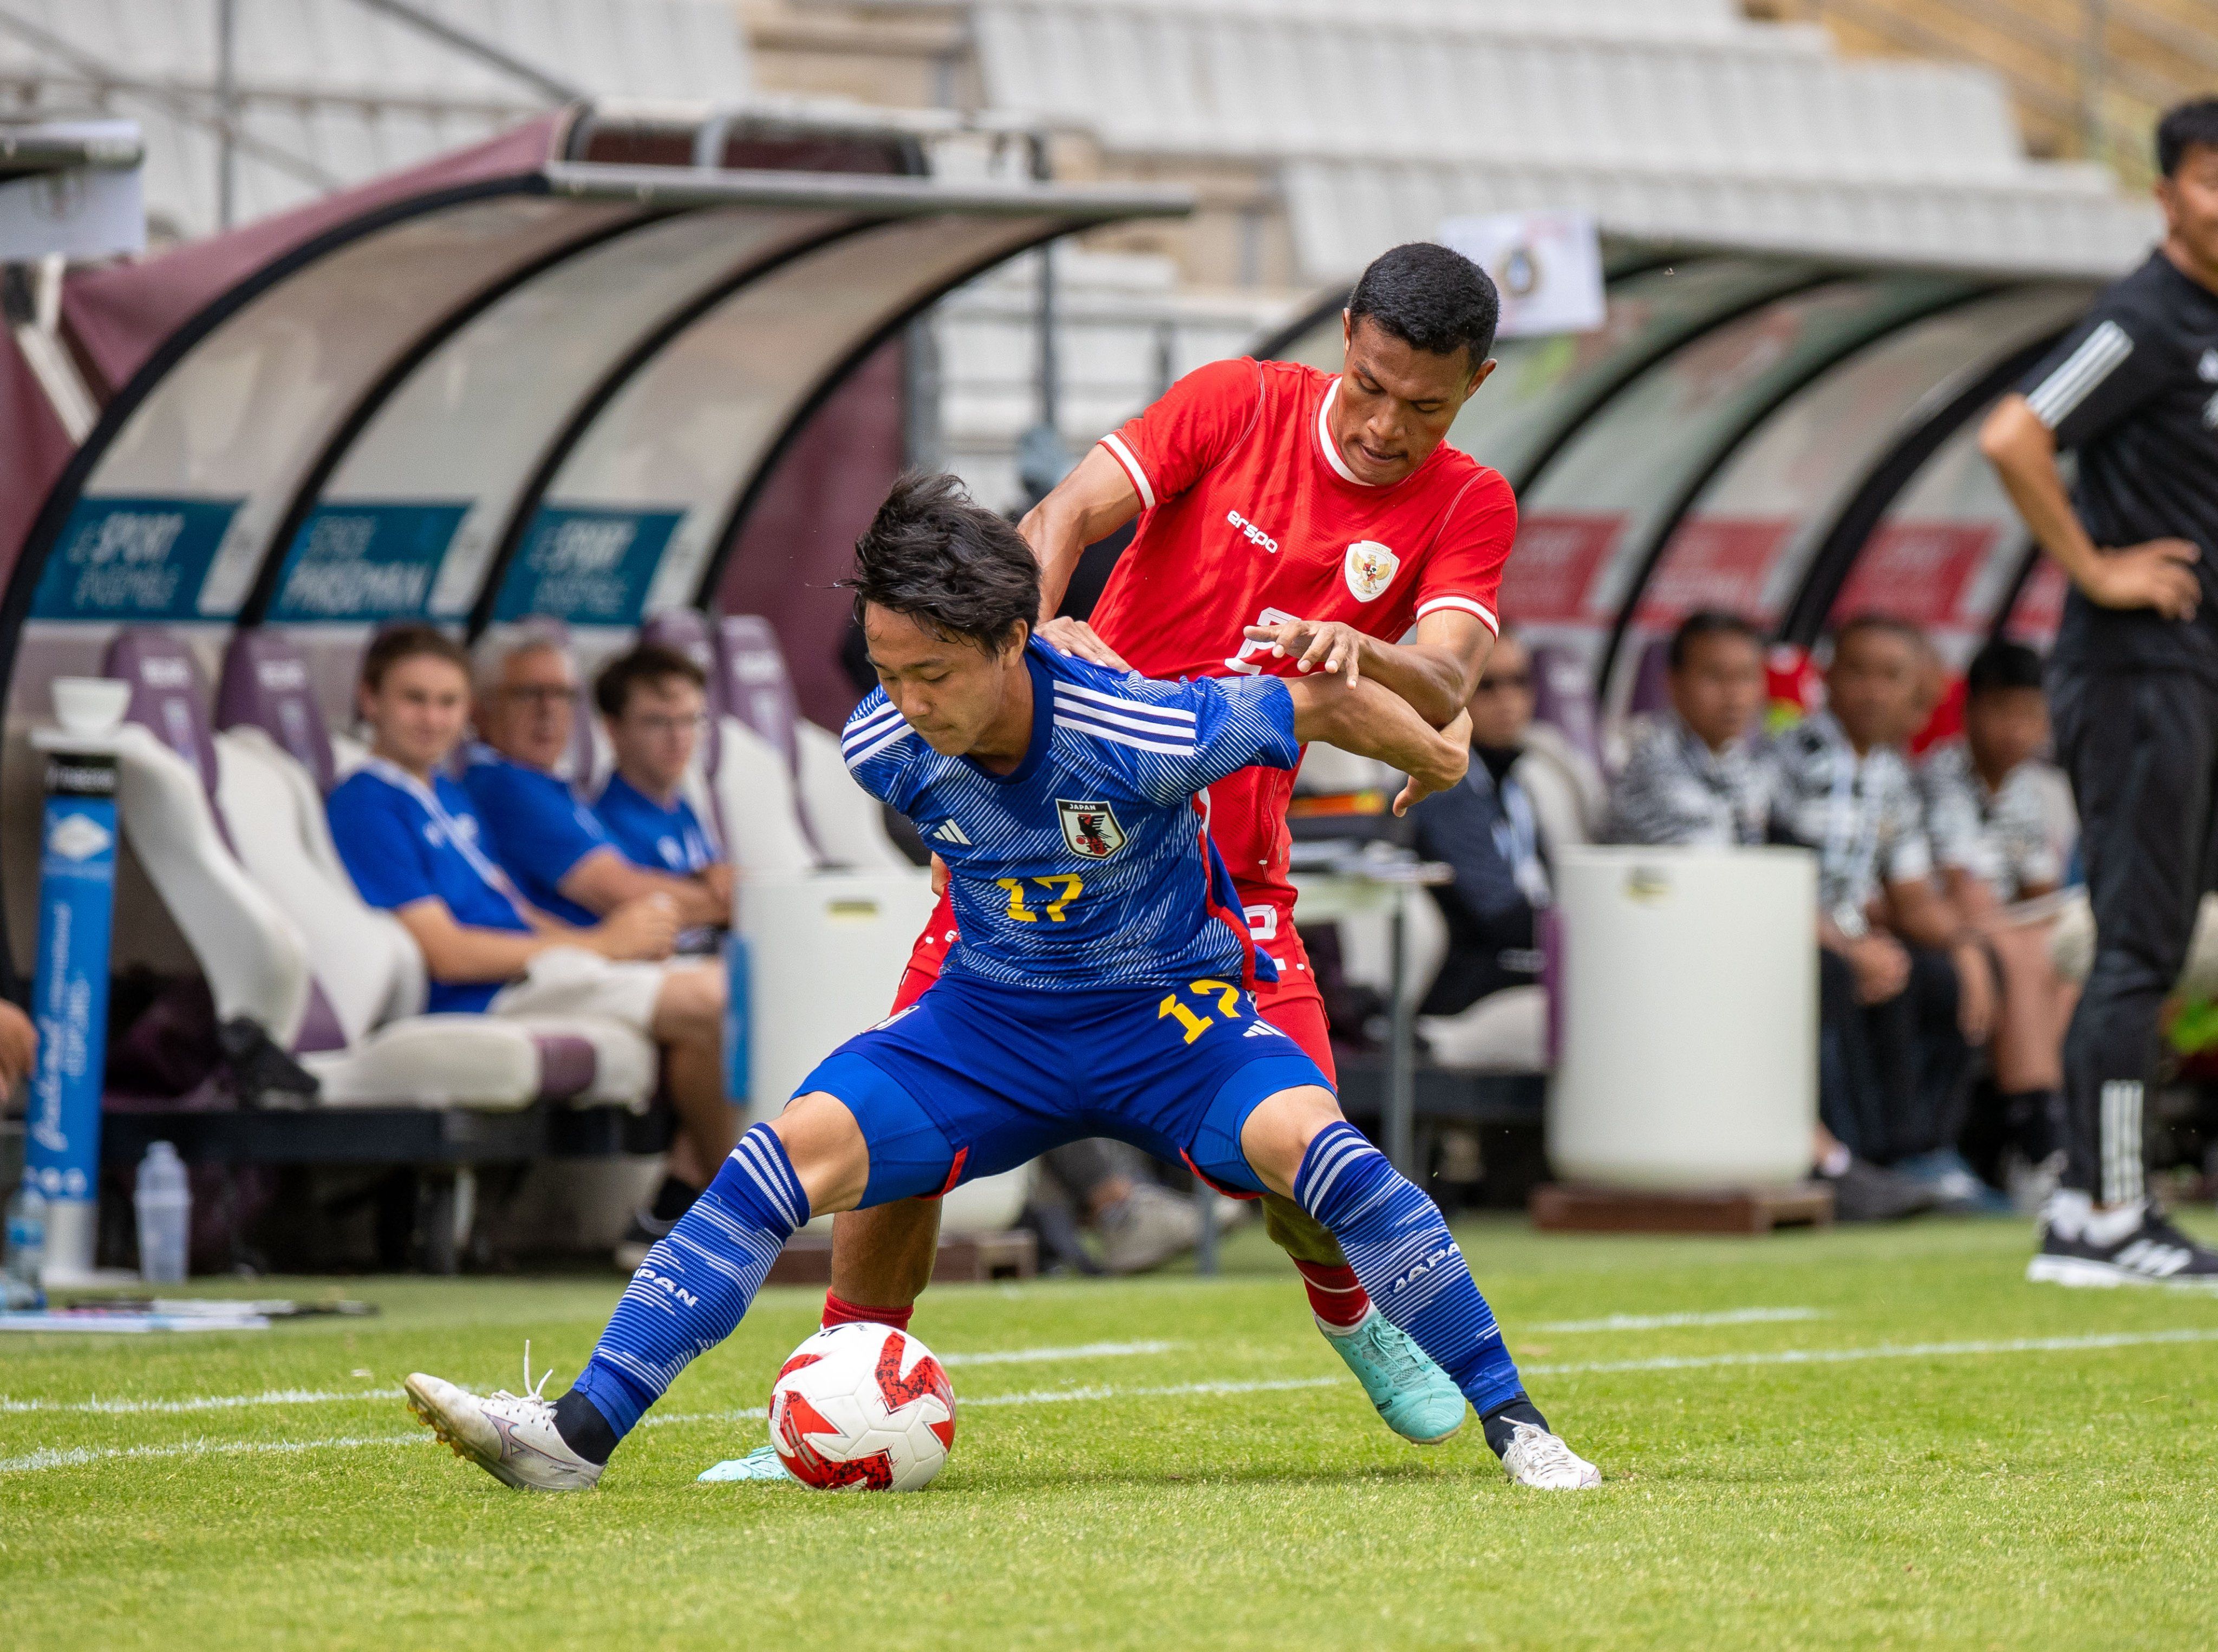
point(2191, 123)
point(1885, 624)
point(650, 662)
point(406, 642)
point(1430, 297)
point(2000, 666)
point(957, 569)
point(1709, 623)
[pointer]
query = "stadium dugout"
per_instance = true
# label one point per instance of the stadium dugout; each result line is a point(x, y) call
point(605, 371)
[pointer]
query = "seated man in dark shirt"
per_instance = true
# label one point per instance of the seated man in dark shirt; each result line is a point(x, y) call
point(653, 702)
point(1486, 829)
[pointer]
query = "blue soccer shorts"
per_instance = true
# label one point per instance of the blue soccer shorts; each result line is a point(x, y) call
point(975, 1078)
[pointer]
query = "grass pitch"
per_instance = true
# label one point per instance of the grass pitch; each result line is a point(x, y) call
point(1853, 1439)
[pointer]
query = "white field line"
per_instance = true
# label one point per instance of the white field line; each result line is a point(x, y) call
point(1665, 1321)
point(1885, 1350)
point(1083, 1351)
point(78, 1455)
point(358, 1396)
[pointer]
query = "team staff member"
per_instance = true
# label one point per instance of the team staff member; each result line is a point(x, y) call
point(2133, 684)
point(1290, 520)
point(653, 702)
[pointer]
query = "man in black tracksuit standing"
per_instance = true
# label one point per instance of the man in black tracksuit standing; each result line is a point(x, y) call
point(2133, 391)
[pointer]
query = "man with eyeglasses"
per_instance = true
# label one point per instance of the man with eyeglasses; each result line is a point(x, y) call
point(653, 702)
point(565, 863)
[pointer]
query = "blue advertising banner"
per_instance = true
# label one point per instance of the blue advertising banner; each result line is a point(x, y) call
point(585, 564)
point(132, 559)
point(76, 907)
point(365, 561)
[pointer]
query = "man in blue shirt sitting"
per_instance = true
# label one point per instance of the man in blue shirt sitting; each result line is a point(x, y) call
point(550, 842)
point(653, 702)
point(416, 846)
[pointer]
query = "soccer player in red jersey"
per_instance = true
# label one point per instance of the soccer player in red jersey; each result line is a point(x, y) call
point(1291, 521)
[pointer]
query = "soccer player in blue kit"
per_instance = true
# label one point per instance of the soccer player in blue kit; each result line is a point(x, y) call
point(1101, 988)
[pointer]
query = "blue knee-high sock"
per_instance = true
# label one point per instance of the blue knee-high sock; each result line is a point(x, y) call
point(1408, 1261)
point(690, 1292)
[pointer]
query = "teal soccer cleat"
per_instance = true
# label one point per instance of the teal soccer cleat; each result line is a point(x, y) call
point(1411, 1393)
point(761, 1463)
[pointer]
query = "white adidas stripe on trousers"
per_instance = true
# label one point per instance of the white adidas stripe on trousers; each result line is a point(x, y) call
point(2120, 1141)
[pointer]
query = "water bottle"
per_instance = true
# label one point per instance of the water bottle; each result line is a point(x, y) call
point(27, 1250)
point(165, 1215)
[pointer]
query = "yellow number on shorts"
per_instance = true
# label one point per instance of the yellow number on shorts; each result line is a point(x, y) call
point(1070, 882)
point(1195, 1025)
point(1228, 1002)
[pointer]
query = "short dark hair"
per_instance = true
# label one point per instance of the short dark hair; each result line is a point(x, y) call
point(958, 570)
point(388, 648)
point(650, 662)
point(1430, 297)
point(1709, 623)
point(1885, 624)
point(2000, 666)
point(2182, 128)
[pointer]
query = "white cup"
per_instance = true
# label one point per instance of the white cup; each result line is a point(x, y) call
point(90, 705)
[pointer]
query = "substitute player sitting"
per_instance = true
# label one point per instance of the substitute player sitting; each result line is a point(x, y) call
point(1102, 987)
point(1289, 520)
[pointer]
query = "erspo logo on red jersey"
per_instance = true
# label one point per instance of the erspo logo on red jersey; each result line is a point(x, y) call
point(1256, 536)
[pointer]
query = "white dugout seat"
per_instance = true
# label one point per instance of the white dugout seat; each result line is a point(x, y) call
point(229, 829)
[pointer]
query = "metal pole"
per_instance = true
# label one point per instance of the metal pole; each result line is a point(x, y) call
point(226, 98)
point(2094, 69)
point(1402, 1051)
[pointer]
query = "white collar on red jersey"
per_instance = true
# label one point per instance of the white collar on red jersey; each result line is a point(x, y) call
point(1326, 445)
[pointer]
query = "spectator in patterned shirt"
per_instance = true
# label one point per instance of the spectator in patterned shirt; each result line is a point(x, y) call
point(1907, 982)
point(1698, 774)
point(1700, 777)
point(1989, 822)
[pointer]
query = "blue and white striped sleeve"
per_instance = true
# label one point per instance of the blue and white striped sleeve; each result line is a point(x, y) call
point(878, 745)
point(1179, 738)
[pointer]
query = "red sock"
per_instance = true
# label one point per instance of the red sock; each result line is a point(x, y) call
point(838, 1311)
point(1335, 1297)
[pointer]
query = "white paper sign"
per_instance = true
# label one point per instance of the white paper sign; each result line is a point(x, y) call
point(1547, 265)
point(93, 211)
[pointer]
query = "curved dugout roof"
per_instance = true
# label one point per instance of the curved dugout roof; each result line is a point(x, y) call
point(1783, 438)
point(553, 385)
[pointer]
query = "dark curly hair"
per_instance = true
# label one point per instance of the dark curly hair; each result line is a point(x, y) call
point(956, 568)
point(1430, 297)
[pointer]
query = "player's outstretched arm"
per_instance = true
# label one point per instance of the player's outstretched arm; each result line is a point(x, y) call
point(1372, 722)
point(1435, 671)
point(1091, 502)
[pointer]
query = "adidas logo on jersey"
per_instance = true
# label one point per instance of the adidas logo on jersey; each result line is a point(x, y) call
point(950, 832)
point(1256, 536)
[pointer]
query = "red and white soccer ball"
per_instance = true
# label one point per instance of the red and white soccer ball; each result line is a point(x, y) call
point(861, 1405)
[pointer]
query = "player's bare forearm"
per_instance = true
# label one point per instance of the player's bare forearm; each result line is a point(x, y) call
point(1436, 675)
point(1091, 502)
point(1373, 722)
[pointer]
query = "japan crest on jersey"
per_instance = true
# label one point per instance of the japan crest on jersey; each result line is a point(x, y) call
point(1090, 829)
point(1369, 569)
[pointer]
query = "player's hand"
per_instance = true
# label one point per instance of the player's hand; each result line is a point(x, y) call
point(1315, 645)
point(1451, 749)
point(1076, 637)
point(2158, 573)
point(939, 876)
point(1976, 993)
point(1881, 965)
point(644, 929)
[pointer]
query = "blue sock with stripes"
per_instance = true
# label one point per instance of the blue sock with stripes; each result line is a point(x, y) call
point(690, 1292)
point(1408, 1261)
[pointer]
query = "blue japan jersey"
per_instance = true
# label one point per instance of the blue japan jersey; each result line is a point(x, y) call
point(1087, 867)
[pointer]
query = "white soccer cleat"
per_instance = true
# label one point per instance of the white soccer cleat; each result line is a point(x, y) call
point(1538, 1459)
point(511, 1436)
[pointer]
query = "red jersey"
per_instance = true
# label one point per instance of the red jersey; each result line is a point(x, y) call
point(1250, 516)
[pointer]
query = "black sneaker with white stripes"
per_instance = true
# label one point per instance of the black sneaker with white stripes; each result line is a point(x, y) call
point(2120, 1247)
